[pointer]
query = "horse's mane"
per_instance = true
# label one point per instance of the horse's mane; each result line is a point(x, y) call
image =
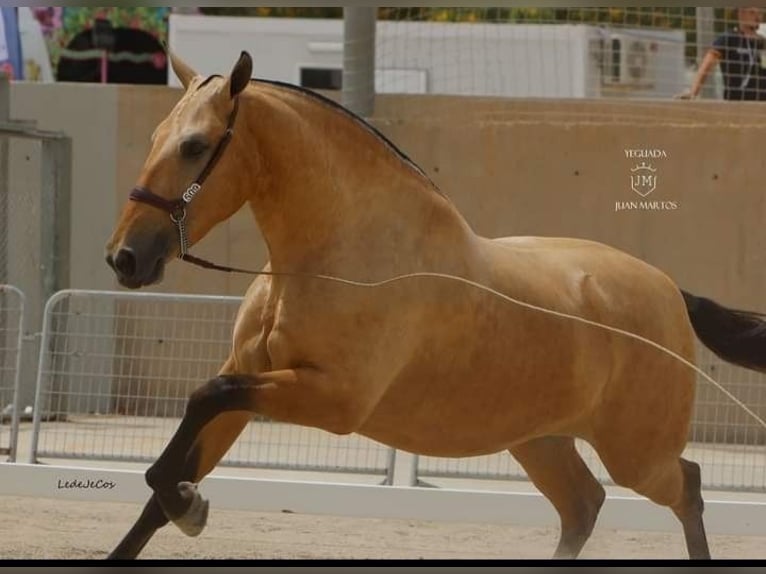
point(354, 117)
point(345, 111)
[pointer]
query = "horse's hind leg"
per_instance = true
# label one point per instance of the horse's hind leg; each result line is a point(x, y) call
point(687, 506)
point(557, 470)
point(674, 483)
point(689, 511)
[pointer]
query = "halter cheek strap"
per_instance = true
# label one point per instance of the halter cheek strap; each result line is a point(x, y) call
point(176, 208)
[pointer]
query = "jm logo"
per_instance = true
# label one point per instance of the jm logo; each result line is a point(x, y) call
point(643, 179)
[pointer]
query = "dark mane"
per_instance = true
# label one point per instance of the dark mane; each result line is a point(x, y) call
point(359, 120)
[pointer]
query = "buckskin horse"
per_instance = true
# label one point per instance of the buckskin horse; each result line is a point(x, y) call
point(424, 364)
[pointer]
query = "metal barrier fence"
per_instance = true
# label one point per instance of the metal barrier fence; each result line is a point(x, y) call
point(585, 52)
point(724, 440)
point(35, 193)
point(11, 333)
point(116, 370)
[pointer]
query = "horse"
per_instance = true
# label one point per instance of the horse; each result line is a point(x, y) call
point(426, 364)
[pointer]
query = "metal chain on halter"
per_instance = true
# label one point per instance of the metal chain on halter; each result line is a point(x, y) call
point(183, 238)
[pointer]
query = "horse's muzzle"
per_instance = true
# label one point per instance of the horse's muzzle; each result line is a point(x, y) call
point(138, 266)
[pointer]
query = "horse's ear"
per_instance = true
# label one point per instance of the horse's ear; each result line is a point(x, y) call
point(182, 70)
point(240, 74)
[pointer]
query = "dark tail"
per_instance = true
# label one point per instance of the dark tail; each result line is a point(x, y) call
point(736, 336)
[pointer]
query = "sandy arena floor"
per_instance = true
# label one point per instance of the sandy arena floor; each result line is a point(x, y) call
point(62, 529)
point(37, 528)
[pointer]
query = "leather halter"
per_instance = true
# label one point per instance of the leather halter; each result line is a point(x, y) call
point(176, 208)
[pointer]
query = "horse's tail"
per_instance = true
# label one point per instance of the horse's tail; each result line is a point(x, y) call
point(734, 335)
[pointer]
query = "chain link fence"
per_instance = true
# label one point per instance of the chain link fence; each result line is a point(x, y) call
point(614, 52)
point(11, 332)
point(118, 368)
point(637, 52)
point(727, 443)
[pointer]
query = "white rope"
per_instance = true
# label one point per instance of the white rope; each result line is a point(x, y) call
point(505, 297)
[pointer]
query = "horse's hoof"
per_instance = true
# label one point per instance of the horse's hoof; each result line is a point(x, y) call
point(194, 519)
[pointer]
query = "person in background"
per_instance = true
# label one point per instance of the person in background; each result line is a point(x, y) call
point(742, 56)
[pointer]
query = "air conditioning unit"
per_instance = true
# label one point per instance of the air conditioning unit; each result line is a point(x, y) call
point(629, 60)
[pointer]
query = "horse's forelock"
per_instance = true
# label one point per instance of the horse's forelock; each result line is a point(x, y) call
point(206, 81)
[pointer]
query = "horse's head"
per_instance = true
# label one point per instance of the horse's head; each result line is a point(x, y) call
point(195, 152)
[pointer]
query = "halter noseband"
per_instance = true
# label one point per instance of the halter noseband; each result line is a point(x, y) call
point(177, 208)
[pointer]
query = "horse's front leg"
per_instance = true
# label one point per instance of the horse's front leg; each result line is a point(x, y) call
point(302, 396)
point(211, 445)
point(215, 415)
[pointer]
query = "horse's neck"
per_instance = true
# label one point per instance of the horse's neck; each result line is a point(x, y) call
point(335, 191)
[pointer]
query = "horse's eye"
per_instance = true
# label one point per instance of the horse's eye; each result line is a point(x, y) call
point(193, 148)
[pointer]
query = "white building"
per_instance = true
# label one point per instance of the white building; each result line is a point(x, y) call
point(512, 60)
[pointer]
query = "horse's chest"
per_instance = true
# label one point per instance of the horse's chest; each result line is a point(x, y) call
point(316, 332)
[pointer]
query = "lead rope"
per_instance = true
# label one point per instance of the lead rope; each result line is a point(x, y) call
point(208, 265)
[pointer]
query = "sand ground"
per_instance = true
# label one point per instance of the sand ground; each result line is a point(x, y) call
point(44, 528)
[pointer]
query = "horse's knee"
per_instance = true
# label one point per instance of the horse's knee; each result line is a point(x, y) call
point(692, 476)
point(343, 412)
point(584, 512)
point(224, 392)
point(596, 501)
point(208, 400)
point(663, 483)
point(160, 479)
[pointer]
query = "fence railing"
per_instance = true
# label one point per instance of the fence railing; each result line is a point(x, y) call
point(115, 372)
point(11, 334)
point(35, 195)
point(729, 446)
point(116, 368)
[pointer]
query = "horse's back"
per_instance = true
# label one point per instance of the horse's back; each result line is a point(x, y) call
point(584, 276)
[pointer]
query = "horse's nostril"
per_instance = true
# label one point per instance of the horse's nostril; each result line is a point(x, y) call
point(125, 262)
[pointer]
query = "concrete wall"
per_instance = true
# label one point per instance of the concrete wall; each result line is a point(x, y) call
point(526, 167)
point(87, 114)
point(547, 168)
point(514, 167)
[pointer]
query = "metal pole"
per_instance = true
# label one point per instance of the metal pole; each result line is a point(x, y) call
point(358, 92)
point(104, 67)
point(55, 192)
point(705, 36)
point(5, 333)
point(5, 115)
point(55, 207)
